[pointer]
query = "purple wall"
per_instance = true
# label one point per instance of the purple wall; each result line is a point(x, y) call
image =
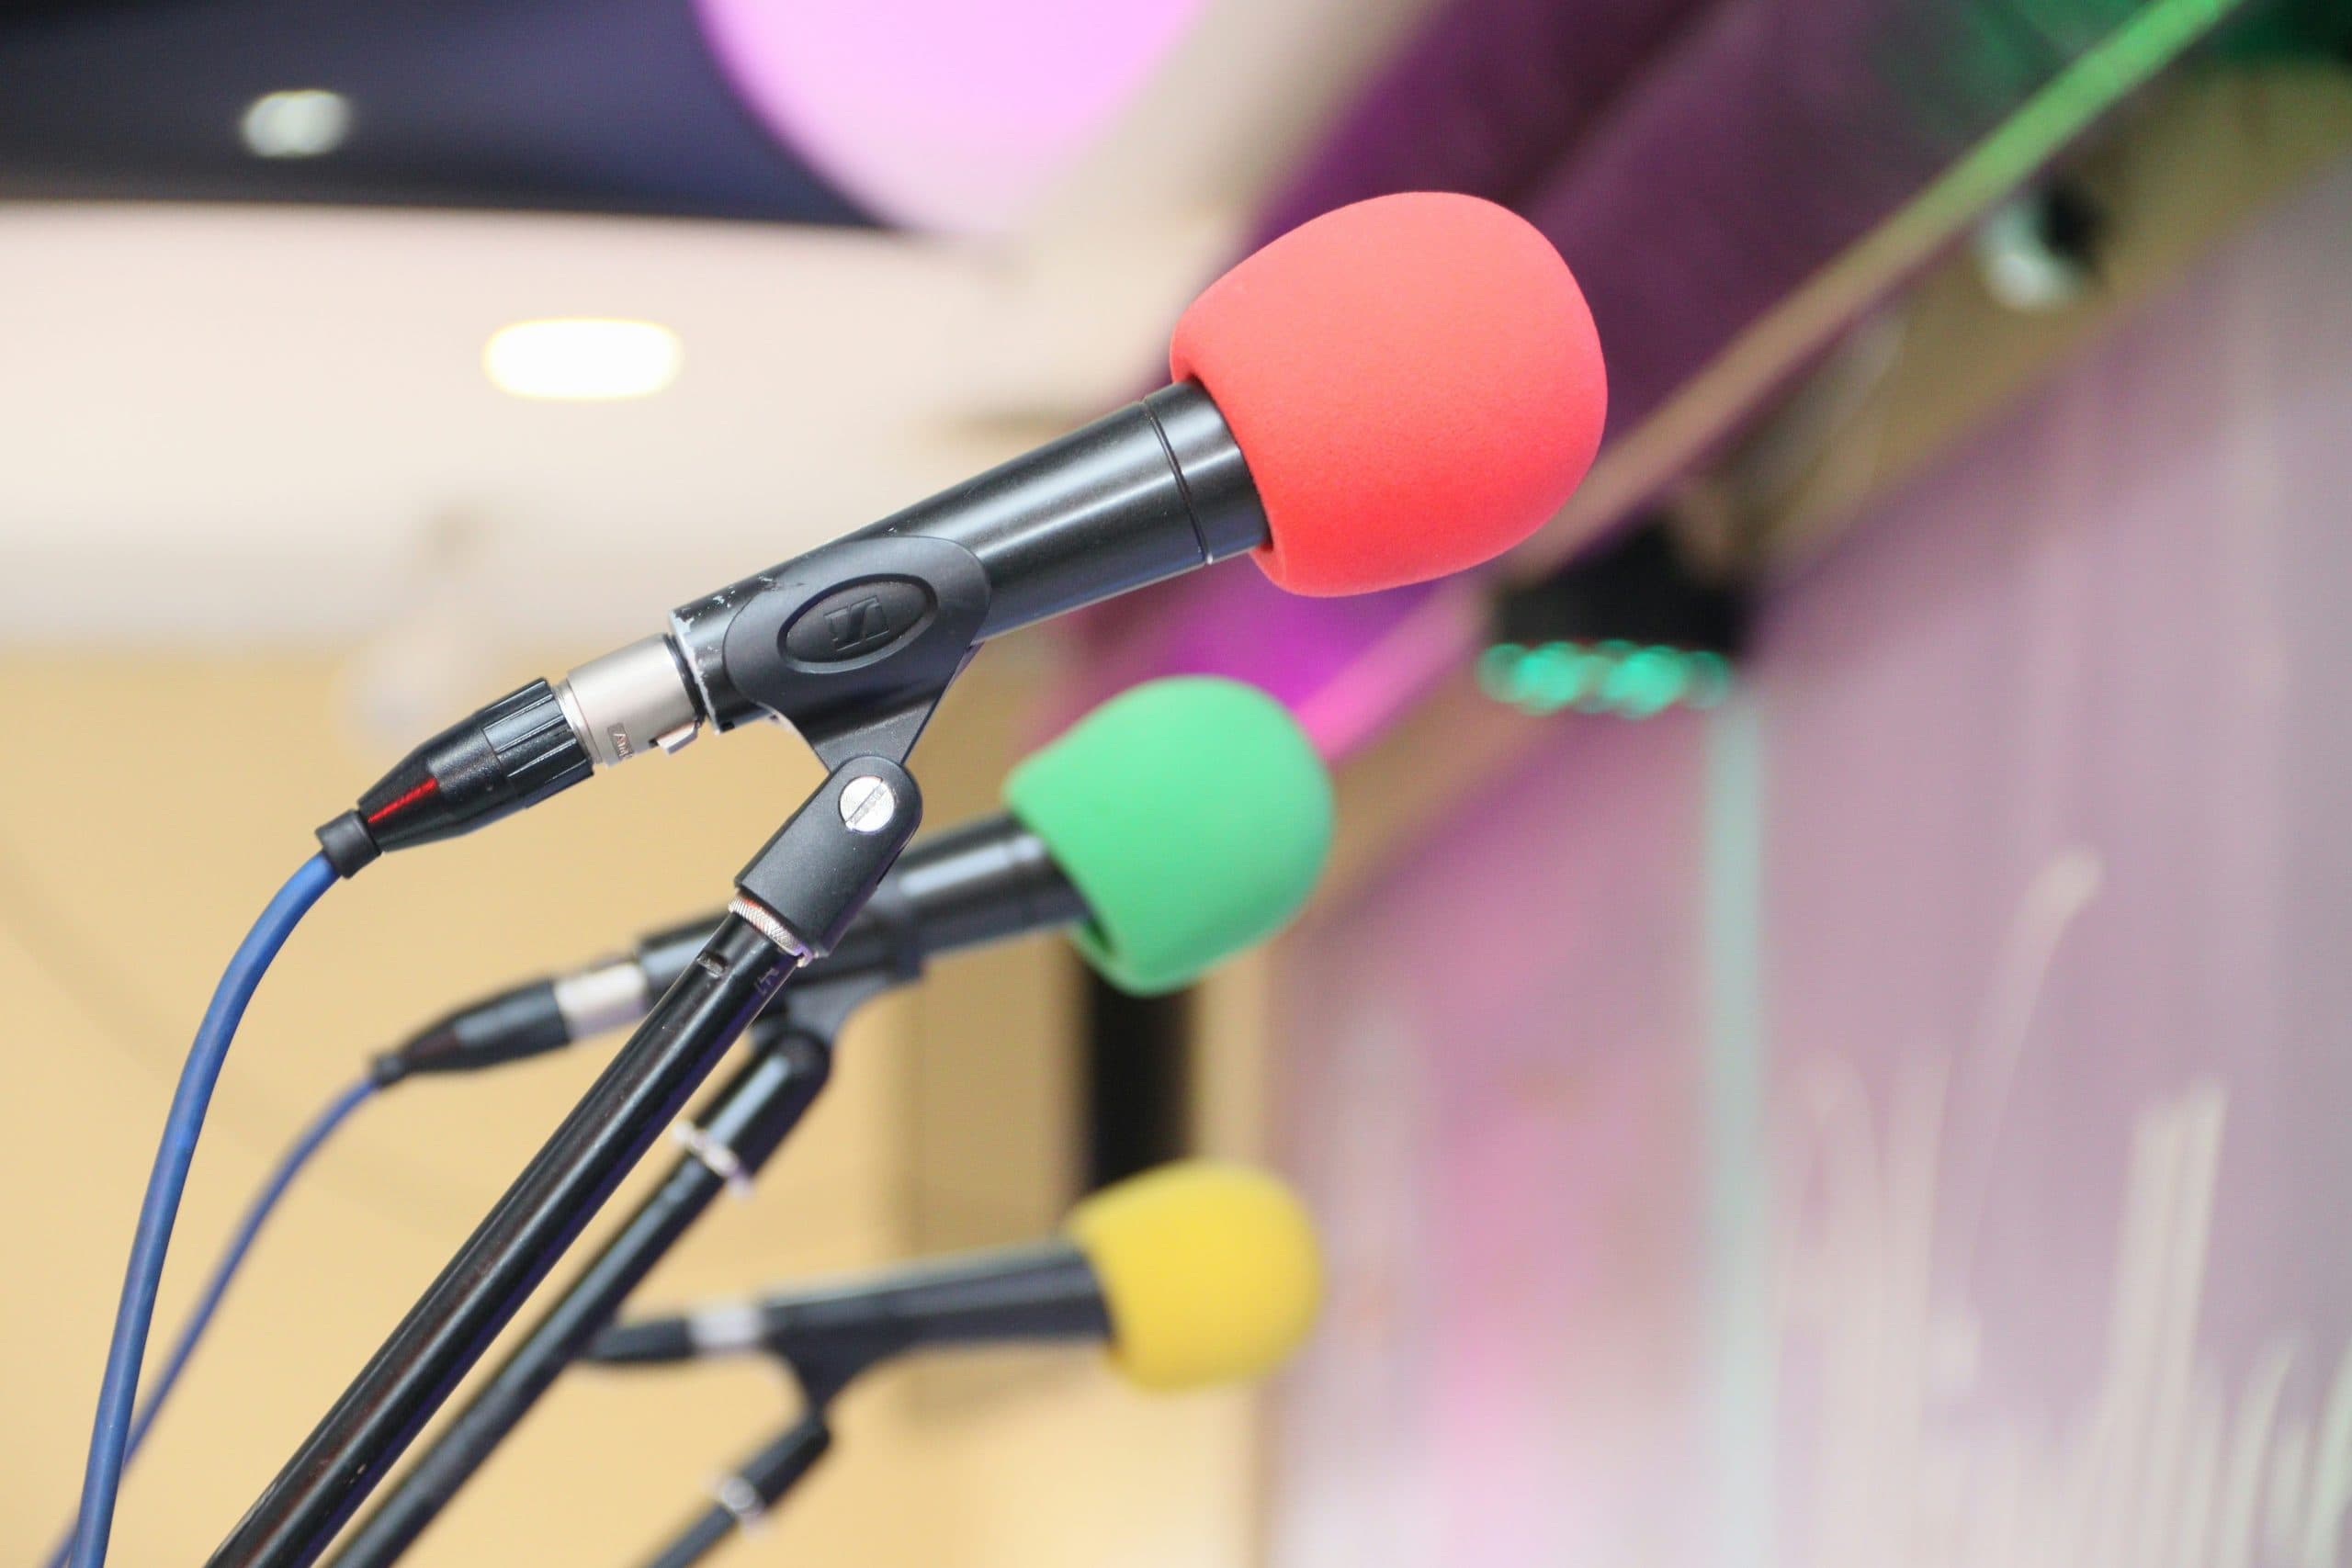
point(1900, 1118)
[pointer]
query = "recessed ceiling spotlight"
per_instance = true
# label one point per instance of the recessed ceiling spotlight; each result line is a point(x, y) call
point(582, 358)
point(302, 122)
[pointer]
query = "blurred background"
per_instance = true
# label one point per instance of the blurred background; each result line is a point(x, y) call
point(1824, 1042)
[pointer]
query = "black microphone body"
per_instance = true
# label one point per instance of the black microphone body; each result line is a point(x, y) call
point(852, 642)
point(982, 882)
point(1150, 492)
point(1045, 1291)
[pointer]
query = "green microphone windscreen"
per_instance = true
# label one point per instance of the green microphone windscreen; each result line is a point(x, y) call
point(1194, 817)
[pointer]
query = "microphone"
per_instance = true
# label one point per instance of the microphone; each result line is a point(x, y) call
point(1190, 1275)
point(1392, 393)
point(1176, 824)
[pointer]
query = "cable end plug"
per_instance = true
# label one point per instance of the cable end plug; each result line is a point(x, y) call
point(514, 754)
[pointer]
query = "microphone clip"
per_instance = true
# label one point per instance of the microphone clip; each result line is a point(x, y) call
point(852, 644)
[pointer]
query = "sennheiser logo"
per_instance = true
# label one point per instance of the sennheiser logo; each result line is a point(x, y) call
point(861, 622)
point(858, 627)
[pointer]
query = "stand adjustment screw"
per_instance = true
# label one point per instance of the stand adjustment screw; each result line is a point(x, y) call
point(867, 805)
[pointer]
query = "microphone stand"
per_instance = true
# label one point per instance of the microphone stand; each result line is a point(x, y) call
point(794, 901)
point(757, 1485)
point(822, 1369)
point(727, 1146)
point(825, 1353)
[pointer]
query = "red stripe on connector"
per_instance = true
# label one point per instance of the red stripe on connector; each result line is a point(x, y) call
point(402, 801)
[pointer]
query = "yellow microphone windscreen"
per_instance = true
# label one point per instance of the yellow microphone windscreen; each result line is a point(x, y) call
point(1210, 1272)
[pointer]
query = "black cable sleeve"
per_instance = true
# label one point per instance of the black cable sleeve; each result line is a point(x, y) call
point(348, 844)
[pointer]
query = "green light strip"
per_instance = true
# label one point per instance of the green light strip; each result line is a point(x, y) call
point(1635, 470)
point(2125, 60)
point(1629, 680)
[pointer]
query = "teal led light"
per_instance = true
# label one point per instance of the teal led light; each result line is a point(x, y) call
point(1626, 679)
point(1551, 677)
point(1499, 670)
point(1647, 681)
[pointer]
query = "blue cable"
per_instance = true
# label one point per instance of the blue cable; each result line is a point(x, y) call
point(110, 1432)
point(233, 1258)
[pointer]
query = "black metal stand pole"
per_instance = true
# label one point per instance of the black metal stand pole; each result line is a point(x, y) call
point(795, 900)
point(745, 1123)
point(512, 1249)
point(751, 1491)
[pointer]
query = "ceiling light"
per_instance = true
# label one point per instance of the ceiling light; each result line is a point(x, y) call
point(303, 123)
point(582, 358)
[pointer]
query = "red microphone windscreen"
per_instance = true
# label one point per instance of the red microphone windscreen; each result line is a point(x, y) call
point(1414, 381)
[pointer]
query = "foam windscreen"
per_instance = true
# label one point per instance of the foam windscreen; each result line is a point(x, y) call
point(1193, 816)
point(1210, 1272)
point(1414, 381)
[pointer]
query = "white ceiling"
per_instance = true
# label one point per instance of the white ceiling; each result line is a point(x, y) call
point(264, 419)
point(271, 425)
